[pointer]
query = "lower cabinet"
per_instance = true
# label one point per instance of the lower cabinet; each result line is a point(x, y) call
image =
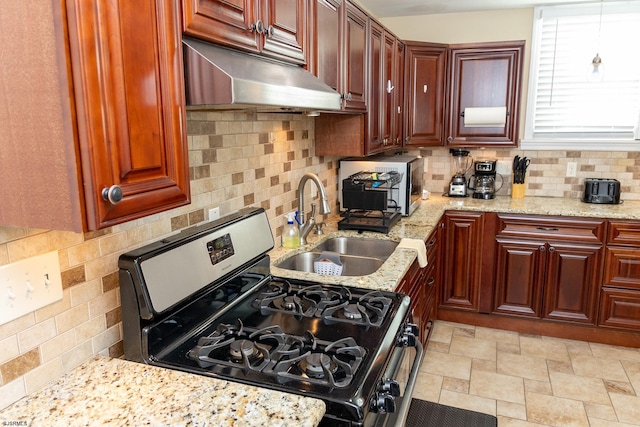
point(421, 285)
point(461, 259)
point(548, 267)
point(620, 294)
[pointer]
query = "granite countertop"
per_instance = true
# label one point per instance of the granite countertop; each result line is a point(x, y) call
point(116, 392)
point(421, 223)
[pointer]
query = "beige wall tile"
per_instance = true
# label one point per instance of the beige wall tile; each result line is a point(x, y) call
point(72, 318)
point(36, 335)
point(57, 346)
point(85, 292)
point(43, 374)
point(12, 392)
point(9, 348)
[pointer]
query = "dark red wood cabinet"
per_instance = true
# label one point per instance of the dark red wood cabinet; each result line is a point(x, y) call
point(276, 28)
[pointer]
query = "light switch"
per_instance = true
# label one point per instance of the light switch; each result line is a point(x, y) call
point(28, 285)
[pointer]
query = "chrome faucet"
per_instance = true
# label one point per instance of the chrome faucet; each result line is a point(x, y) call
point(307, 225)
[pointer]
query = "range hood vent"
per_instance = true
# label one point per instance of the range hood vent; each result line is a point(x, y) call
point(219, 78)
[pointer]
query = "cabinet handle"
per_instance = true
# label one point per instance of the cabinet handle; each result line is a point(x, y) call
point(406, 138)
point(542, 248)
point(389, 87)
point(547, 228)
point(431, 281)
point(399, 110)
point(431, 243)
point(258, 27)
point(552, 249)
point(269, 32)
point(112, 194)
point(425, 88)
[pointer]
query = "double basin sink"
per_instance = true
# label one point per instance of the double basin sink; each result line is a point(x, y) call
point(359, 256)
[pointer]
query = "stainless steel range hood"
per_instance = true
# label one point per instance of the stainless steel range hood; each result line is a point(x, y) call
point(219, 78)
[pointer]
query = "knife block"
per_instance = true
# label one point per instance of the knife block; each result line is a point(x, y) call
point(517, 191)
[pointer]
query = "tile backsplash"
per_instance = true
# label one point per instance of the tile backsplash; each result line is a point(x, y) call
point(236, 159)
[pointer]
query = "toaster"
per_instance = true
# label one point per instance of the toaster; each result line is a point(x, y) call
point(601, 190)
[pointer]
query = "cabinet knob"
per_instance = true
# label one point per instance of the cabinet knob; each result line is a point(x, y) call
point(431, 281)
point(258, 27)
point(268, 32)
point(552, 249)
point(449, 139)
point(112, 194)
point(542, 248)
point(406, 138)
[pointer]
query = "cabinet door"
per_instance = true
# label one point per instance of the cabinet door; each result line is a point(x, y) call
point(376, 73)
point(354, 89)
point(484, 75)
point(285, 24)
point(461, 260)
point(329, 30)
point(425, 70)
point(573, 277)
point(127, 68)
point(227, 22)
point(622, 267)
point(398, 107)
point(620, 308)
point(519, 277)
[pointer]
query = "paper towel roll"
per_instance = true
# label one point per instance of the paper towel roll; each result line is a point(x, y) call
point(485, 117)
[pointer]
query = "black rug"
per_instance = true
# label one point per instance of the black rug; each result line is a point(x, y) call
point(423, 414)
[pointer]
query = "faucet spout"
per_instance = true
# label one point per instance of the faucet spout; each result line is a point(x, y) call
point(306, 225)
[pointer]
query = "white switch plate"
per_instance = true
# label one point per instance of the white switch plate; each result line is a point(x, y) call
point(28, 285)
point(572, 169)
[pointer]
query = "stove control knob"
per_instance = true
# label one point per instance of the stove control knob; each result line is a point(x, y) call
point(390, 386)
point(384, 403)
point(411, 328)
point(407, 340)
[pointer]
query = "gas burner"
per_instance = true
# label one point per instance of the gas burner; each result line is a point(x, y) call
point(369, 310)
point(333, 364)
point(315, 365)
point(241, 349)
point(281, 297)
point(352, 312)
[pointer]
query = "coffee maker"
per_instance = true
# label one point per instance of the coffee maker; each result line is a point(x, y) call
point(483, 181)
point(460, 164)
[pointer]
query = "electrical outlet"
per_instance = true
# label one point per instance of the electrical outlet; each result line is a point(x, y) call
point(28, 285)
point(572, 169)
point(214, 213)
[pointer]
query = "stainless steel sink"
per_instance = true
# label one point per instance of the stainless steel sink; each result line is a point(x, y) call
point(357, 246)
point(359, 256)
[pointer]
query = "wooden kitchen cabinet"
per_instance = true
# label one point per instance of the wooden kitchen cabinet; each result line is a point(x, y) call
point(620, 293)
point(462, 239)
point(484, 75)
point(421, 284)
point(119, 126)
point(341, 51)
point(548, 267)
point(275, 28)
point(425, 94)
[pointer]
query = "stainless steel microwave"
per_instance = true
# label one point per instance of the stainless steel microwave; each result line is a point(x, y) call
point(404, 197)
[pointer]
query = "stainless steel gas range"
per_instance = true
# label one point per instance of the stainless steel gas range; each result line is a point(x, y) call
point(204, 302)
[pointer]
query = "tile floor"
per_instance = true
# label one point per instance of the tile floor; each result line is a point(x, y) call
point(527, 380)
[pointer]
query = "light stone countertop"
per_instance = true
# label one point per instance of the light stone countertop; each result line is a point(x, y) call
point(421, 223)
point(116, 392)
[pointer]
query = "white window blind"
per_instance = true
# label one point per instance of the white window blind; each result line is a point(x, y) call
point(565, 102)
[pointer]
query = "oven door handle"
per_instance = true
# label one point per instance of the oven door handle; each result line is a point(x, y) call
point(403, 412)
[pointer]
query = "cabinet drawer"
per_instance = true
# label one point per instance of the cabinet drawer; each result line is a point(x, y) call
point(622, 267)
point(620, 308)
point(624, 233)
point(554, 228)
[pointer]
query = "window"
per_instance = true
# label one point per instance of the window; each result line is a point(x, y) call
point(569, 106)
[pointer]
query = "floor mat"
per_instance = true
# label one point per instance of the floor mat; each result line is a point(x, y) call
point(423, 414)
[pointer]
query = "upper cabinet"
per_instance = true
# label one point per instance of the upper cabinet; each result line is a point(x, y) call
point(425, 68)
point(484, 75)
point(277, 28)
point(105, 141)
point(341, 51)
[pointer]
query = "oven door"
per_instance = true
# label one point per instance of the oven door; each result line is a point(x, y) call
point(403, 367)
